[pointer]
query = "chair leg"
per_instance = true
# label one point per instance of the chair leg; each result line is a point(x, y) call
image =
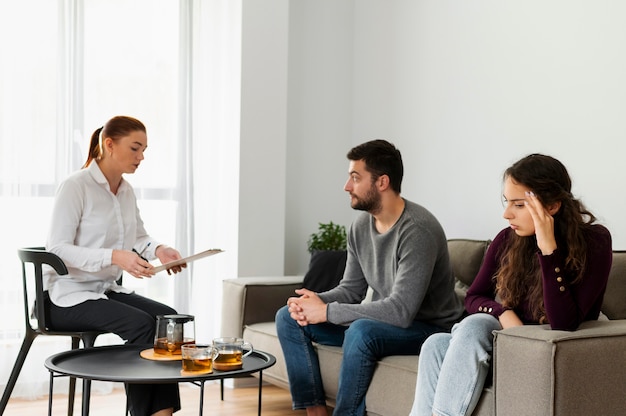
point(89, 340)
point(17, 367)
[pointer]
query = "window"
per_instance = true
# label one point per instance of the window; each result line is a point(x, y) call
point(57, 90)
point(69, 66)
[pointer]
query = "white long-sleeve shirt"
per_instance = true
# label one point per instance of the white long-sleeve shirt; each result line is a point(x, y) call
point(88, 223)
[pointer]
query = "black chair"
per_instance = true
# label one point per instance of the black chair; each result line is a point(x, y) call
point(39, 256)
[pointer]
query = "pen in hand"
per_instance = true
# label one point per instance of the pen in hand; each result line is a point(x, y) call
point(140, 253)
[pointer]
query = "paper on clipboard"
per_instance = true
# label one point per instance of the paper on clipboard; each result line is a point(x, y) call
point(189, 259)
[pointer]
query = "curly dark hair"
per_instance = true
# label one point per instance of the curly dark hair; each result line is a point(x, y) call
point(519, 276)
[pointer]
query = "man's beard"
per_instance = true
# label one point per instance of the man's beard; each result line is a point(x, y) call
point(370, 202)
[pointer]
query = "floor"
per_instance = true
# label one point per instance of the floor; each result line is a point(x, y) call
point(240, 401)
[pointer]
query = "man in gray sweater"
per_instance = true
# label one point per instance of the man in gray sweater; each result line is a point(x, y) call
point(399, 249)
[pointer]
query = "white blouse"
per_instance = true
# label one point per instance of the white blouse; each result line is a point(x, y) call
point(88, 223)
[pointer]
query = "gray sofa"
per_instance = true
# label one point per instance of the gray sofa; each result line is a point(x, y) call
point(537, 371)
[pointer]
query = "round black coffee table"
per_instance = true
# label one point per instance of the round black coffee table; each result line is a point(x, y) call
point(122, 363)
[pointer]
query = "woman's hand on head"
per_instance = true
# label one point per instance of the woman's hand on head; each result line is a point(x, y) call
point(544, 223)
point(132, 263)
point(167, 254)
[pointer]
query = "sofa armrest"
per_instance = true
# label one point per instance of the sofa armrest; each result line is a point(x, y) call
point(248, 300)
point(538, 371)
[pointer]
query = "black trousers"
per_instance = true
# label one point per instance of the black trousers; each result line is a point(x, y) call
point(133, 318)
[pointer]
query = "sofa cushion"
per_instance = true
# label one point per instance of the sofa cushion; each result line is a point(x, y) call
point(263, 337)
point(325, 270)
point(614, 304)
point(466, 257)
point(390, 373)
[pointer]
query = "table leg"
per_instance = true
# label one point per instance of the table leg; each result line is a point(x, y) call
point(72, 396)
point(201, 397)
point(260, 389)
point(50, 395)
point(86, 397)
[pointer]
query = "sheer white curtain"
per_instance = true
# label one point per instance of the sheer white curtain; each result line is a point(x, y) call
point(70, 65)
point(214, 126)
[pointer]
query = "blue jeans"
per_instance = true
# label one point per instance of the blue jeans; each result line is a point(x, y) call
point(364, 342)
point(453, 368)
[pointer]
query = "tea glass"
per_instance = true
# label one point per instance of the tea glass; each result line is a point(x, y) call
point(198, 358)
point(230, 353)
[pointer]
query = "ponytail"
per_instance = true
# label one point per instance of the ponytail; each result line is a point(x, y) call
point(95, 147)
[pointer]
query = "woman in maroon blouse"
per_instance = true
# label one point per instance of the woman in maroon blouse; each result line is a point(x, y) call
point(550, 266)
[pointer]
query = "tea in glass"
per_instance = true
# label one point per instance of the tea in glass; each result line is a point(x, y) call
point(164, 346)
point(230, 353)
point(228, 360)
point(198, 358)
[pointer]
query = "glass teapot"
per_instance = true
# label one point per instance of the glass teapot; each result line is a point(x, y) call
point(172, 331)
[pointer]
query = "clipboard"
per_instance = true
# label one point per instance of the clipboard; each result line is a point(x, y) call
point(189, 259)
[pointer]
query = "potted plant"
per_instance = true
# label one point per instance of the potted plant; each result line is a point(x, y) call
point(328, 257)
point(328, 237)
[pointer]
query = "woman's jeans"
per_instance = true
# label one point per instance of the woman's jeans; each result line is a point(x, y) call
point(364, 342)
point(453, 368)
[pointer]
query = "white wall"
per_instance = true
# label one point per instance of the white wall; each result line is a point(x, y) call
point(319, 121)
point(462, 88)
point(466, 88)
point(263, 138)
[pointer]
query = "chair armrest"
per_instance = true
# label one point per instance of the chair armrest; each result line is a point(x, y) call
point(38, 256)
point(249, 300)
point(538, 371)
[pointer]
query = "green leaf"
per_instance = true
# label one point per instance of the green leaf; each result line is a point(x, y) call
point(329, 237)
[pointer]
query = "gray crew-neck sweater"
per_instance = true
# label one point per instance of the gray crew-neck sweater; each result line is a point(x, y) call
point(407, 267)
